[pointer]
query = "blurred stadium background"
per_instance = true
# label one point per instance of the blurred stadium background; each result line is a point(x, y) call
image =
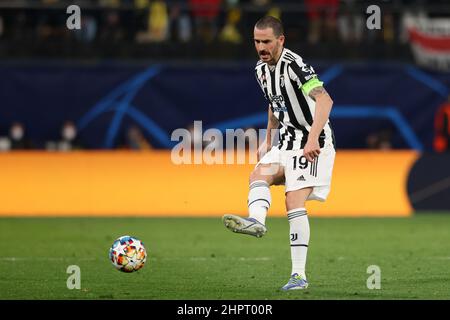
point(114, 91)
point(86, 118)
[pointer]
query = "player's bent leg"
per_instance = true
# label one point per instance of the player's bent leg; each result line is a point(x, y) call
point(299, 237)
point(248, 226)
point(259, 197)
point(259, 200)
point(272, 173)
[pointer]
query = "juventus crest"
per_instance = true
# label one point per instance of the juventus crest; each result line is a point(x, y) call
point(264, 81)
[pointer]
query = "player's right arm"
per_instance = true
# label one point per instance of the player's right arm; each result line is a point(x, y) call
point(272, 123)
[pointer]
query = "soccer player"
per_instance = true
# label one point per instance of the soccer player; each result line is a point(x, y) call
point(303, 158)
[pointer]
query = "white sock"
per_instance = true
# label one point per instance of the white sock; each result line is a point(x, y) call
point(299, 238)
point(259, 200)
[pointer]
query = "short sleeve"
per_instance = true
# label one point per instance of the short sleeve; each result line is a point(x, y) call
point(301, 72)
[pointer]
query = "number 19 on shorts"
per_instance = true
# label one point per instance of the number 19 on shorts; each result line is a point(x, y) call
point(302, 163)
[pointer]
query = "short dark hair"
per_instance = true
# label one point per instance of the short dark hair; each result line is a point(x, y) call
point(271, 22)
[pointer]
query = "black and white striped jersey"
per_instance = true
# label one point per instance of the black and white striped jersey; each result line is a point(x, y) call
point(284, 87)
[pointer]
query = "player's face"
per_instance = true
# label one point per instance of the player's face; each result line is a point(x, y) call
point(267, 45)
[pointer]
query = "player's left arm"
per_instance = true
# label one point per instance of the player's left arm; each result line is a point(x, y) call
point(308, 81)
point(324, 103)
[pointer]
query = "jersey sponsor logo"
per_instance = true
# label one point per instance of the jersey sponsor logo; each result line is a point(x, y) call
point(277, 103)
point(276, 98)
point(279, 109)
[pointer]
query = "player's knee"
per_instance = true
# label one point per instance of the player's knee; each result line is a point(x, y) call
point(256, 175)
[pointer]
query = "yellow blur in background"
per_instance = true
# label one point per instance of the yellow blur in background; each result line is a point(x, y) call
point(365, 183)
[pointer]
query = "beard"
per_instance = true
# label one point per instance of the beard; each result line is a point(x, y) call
point(269, 57)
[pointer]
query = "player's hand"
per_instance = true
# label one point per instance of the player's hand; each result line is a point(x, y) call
point(311, 149)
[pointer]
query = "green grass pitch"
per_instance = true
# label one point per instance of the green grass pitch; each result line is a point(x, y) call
point(196, 258)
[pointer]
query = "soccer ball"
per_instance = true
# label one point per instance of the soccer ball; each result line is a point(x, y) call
point(128, 254)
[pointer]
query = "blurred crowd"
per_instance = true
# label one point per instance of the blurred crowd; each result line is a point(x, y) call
point(441, 141)
point(18, 139)
point(206, 21)
point(28, 23)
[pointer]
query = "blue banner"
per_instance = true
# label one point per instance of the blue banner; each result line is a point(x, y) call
point(104, 100)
